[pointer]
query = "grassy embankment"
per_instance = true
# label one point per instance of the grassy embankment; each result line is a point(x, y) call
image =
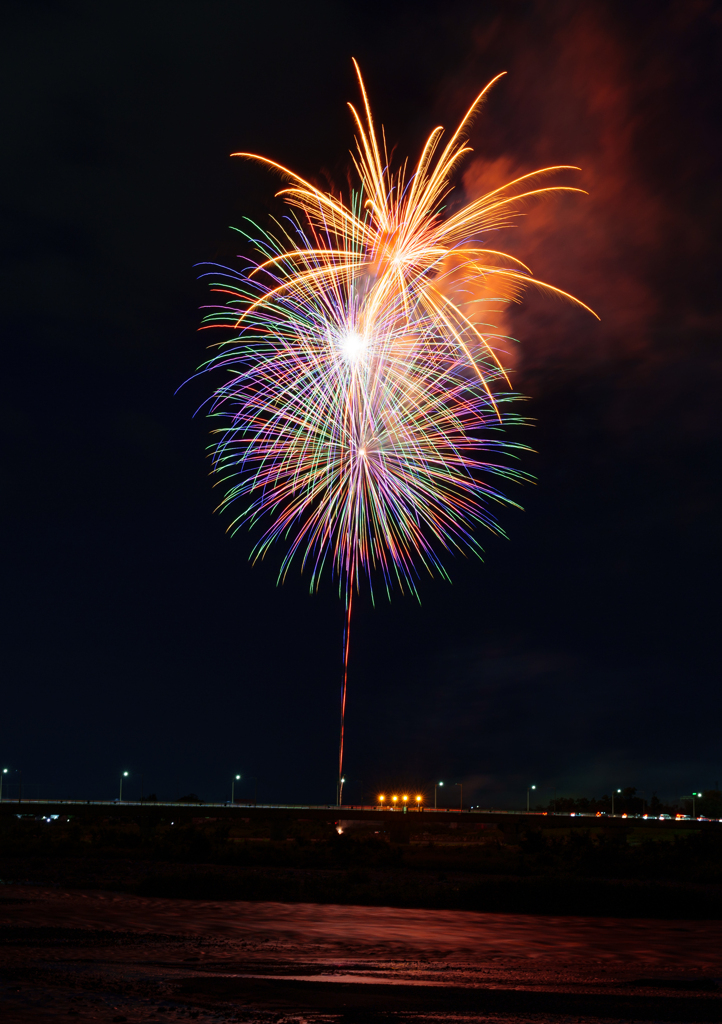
point(588, 872)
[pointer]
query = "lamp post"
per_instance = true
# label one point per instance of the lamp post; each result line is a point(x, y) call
point(436, 785)
point(123, 775)
point(4, 772)
point(694, 804)
point(618, 791)
point(236, 778)
point(528, 793)
point(461, 794)
point(339, 791)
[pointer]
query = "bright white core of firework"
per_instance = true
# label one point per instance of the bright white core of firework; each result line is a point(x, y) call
point(352, 345)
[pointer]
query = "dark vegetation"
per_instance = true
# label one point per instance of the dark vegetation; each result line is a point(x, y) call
point(611, 872)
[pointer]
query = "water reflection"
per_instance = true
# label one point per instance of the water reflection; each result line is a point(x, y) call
point(432, 964)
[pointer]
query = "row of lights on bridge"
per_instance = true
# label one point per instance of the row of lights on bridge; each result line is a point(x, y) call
point(395, 799)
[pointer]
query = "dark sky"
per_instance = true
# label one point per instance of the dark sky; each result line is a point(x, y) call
point(583, 654)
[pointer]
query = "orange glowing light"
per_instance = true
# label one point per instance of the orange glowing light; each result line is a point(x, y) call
point(406, 798)
point(394, 798)
point(418, 799)
point(382, 799)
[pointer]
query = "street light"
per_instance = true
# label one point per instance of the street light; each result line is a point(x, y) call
point(528, 792)
point(435, 786)
point(236, 778)
point(461, 794)
point(694, 804)
point(123, 775)
point(382, 799)
point(4, 772)
point(418, 803)
point(619, 791)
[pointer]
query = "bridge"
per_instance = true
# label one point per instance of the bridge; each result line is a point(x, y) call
point(391, 818)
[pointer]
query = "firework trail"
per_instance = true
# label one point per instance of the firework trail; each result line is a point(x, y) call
point(362, 410)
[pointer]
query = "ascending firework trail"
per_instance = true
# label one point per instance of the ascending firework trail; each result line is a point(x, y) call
point(362, 401)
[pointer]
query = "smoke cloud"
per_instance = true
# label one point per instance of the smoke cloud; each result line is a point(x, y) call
point(583, 90)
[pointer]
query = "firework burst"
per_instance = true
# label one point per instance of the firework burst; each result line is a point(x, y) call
point(361, 415)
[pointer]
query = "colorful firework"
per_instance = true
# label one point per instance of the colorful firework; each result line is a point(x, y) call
point(363, 406)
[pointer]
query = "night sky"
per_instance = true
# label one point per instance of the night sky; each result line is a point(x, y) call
point(583, 654)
